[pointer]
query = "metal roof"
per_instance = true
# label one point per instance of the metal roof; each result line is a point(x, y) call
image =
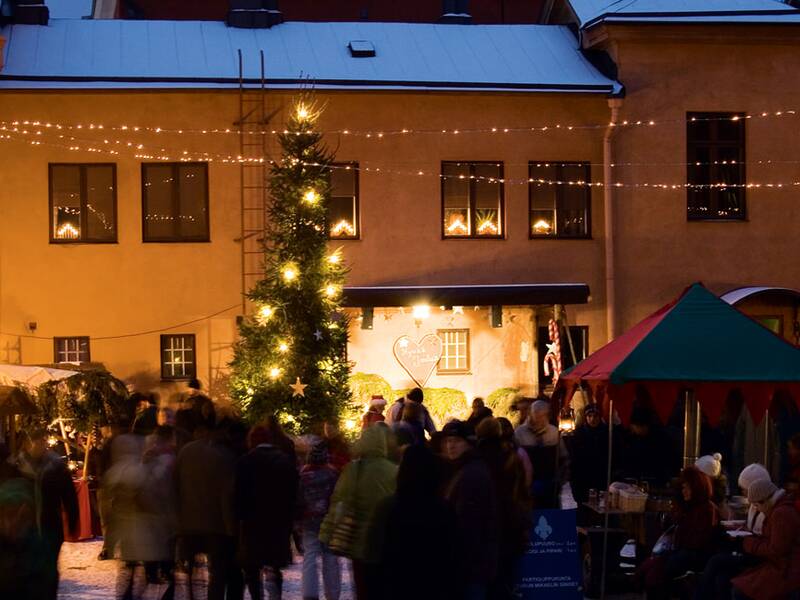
point(519, 294)
point(735, 296)
point(590, 12)
point(92, 54)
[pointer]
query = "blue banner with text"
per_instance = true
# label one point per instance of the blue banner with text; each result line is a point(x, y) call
point(550, 568)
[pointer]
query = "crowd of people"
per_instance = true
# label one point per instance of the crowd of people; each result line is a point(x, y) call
point(412, 511)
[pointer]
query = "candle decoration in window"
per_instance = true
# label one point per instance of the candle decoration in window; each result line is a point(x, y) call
point(68, 231)
point(542, 227)
point(343, 228)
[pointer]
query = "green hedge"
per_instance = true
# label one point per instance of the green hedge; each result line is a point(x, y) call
point(501, 401)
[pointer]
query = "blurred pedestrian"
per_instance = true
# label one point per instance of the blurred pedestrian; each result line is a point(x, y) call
point(471, 495)
point(416, 529)
point(514, 503)
point(792, 483)
point(55, 499)
point(410, 425)
point(363, 485)
point(206, 522)
point(265, 501)
point(338, 448)
point(548, 454)
point(589, 455)
point(416, 396)
point(507, 430)
point(479, 412)
point(317, 482)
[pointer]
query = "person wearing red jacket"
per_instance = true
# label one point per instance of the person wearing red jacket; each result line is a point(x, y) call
point(778, 547)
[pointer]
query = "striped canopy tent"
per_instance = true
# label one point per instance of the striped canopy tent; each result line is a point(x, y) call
point(699, 344)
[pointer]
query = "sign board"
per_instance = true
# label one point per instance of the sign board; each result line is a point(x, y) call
point(551, 565)
point(419, 359)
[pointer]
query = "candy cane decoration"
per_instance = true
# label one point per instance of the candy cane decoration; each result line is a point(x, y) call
point(553, 357)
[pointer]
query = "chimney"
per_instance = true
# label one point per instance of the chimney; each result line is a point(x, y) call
point(254, 14)
point(455, 11)
point(30, 12)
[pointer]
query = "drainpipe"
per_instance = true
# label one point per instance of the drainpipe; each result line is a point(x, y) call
point(608, 212)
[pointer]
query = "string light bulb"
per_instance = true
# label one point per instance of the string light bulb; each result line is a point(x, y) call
point(290, 273)
point(302, 112)
point(265, 313)
point(274, 373)
point(335, 258)
point(283, 347)
point(311, 196)
point(331, 290)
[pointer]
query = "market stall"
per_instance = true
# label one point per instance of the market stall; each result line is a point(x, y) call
point(698, 349)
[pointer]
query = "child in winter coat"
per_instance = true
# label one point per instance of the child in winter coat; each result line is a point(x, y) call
point(317, 482)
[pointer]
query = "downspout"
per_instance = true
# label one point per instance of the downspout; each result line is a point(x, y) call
point(608, 213)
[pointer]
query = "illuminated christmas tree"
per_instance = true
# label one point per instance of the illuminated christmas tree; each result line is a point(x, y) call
point(290, 360)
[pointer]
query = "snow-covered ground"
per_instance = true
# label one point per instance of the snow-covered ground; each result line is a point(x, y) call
point(83, 577)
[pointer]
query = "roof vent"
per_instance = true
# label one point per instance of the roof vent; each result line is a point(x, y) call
point(254, 14)
point(455, 11)
point(361, 49)
point(30, 12)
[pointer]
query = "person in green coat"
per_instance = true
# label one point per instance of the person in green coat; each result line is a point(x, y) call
point(363, 485)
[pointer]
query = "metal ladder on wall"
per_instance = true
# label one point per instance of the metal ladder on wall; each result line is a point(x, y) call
point(253, 144)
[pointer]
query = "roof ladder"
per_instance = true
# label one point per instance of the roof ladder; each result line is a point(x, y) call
point(254, 171)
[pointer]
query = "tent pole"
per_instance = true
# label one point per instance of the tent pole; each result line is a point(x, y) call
point(766, 439)
point(691, 428)
point(606, 507)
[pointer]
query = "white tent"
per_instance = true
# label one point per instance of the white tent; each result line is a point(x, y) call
point(31, 376)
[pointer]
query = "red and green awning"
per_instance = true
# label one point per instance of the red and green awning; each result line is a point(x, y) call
point(696, 342)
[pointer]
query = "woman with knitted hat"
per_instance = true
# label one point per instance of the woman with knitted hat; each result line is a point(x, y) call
point(711, 465)
point(696, 521)
point(778, 548)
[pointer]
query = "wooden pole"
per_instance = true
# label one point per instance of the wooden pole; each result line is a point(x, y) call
point(86, 456)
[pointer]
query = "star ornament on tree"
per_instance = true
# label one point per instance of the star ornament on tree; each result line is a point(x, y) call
point(298, 388)
point(318, 335)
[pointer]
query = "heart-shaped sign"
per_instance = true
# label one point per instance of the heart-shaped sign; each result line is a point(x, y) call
point(419, 359)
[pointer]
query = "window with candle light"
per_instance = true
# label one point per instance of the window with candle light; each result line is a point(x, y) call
point(343, 221)
point(472, 200)
point(83, 203)
point(559, 199)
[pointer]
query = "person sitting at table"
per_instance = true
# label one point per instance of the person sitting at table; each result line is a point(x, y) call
point(778, 547)
point(715, 584)
point(695, 533)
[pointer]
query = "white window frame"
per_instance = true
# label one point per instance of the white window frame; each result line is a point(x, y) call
point(455, 352)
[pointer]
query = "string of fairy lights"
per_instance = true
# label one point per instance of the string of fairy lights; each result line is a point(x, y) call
point(379, 134)
point(188, 156)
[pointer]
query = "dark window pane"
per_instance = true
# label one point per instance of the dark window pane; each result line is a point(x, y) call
point(158, 217)
point(175, 202)
point(343, 182)
point(716, 166)
point(100, 220)
point(192, 218)
point(66, 201)
point(573, 201)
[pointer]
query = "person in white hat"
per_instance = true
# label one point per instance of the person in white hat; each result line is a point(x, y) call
point(374, 414)
point(711, 465)
point(777, 549)
point(751, 473)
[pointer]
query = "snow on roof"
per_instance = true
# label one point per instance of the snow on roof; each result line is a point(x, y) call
point(590, 12)
point(92, 54)
point(70, 9)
